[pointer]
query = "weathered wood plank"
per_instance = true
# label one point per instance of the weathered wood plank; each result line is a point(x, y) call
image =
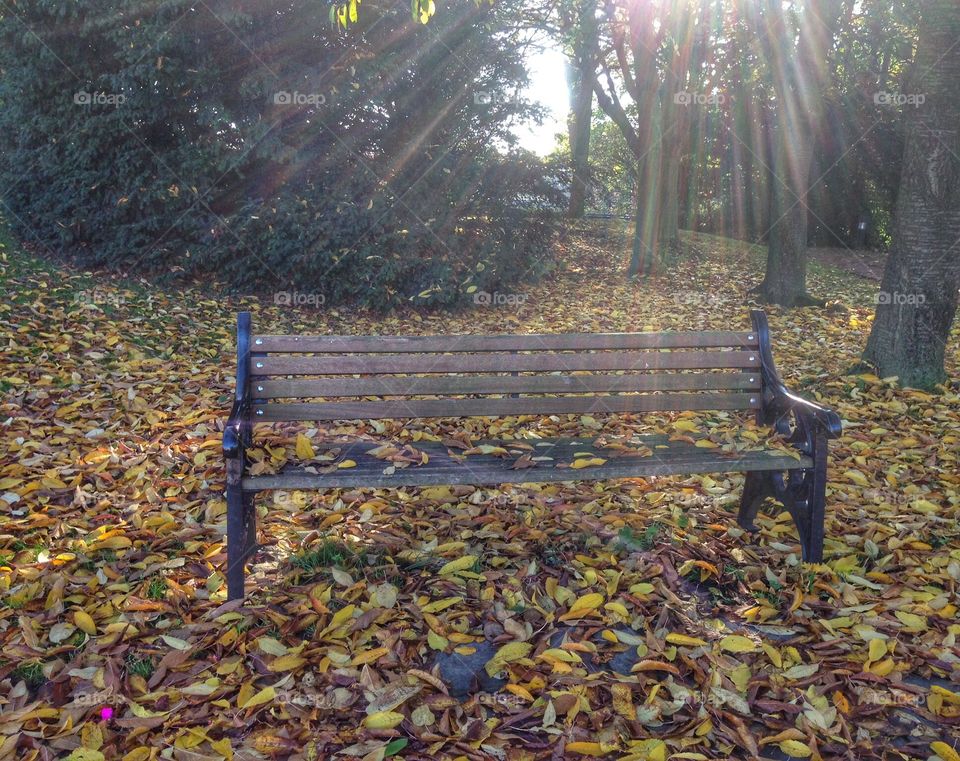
point(676, 458)
point(391, 385)
point(538, 405)
point(500, 363)
point(514, 342)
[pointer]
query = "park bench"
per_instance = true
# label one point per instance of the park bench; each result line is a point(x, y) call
point(393, 377)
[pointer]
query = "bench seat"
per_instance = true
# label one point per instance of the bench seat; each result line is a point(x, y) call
point(329, 379)
point(448, 466)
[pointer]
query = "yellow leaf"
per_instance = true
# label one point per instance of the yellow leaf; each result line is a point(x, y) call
point(383, 720)
point(287, 663)
point(460, 564)
point(91, 736)
point(588, 749)
point(945, 752)
point(85, 754)
point(857, 477)
point(84, 622)
point(878, 649)
point(734, 643)
point(584, 605)
point(586, 462)
point(684, 641)
point(706, 444)
point(264, 696)
point(559, 654)
point(344, 464)
point(342, 616)
point(883, 668)
point(137, 754)
point(795, 749)
point(912, 620)
point(623, 701)
point(304, 448)
point(369, 656)
point(520, 692)
point(512, 651)
point(438, 605)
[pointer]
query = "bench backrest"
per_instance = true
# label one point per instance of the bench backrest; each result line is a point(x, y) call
point(420, 376)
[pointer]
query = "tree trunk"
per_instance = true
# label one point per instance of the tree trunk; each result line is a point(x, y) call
point(582, 73)
point(785, 281)
point(918, 294)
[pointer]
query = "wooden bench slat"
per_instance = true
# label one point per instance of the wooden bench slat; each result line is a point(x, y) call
point(531, 405)
point(392, 385)
point(678, 458)
point(499, 363)
point(513, 342)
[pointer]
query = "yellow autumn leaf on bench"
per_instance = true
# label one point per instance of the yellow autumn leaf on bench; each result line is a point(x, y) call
point(586, 462)
point(304, 448)
point(346, 464)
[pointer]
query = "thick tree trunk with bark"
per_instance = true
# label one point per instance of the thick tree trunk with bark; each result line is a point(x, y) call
point(785, 280)
point(918, 295)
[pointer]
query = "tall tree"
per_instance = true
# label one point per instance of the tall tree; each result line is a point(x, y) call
point(796, 47)
point(581, 75)
point(918, 293)
point(645, 74)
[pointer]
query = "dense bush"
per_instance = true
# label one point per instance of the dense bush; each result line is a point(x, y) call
point(254, 142)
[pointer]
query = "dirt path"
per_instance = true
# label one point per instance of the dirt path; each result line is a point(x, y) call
point(865, 263)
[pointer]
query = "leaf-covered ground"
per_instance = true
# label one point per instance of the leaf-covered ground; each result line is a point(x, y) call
point(626, 619)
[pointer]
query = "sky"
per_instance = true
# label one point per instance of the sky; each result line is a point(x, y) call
point(548, 85)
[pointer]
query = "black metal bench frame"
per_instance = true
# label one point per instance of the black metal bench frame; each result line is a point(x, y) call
point(798, 484)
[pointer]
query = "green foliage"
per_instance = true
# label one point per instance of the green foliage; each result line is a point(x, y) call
point(30, 672)
point(258, 145)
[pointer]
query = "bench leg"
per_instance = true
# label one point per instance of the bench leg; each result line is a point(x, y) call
point(250, 525)
point(803, 493)
point(756, 488)
point(236, 541)
point(816, 503)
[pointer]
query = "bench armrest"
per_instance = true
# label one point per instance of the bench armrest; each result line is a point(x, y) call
point(783, 402)
point(236, 432)
point(778, 401)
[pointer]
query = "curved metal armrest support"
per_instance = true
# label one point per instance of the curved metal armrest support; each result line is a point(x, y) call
point(778, 401)
point(234, 432)
point(237, 431)
point(813, 415)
